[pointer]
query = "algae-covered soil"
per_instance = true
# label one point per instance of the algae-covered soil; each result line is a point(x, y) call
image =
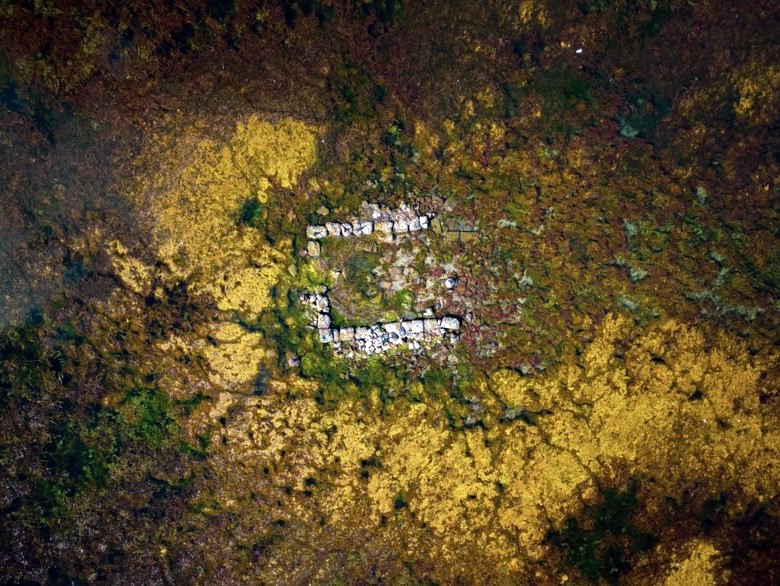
point(606, 173)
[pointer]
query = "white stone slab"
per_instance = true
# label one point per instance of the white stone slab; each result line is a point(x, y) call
point(416, 326)
point(326, 336)
point(347, 334)
point(400, 226)
point(323, 321)
point(450, 323)
point(414, 225)
point(334, 229)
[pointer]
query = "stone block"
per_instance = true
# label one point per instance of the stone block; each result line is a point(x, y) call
point(432, 326)
point(414, 225)
point(362, 333)
point(316, 232)
point(450, 323)
point(333, 228)
point(424, 222)
point(346, 229)
point(400, 226)
point(393, 327)
point(383, 227)
point(323, 321)
point(416, 326)
point(313, 248)
point(326, 336)
point(347, 334)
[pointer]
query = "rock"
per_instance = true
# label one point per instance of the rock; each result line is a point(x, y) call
point(346, 229)
point(323, 321)
point(326, 336)
point(400, 226)
point(365, 229)
point(347, 334)
point(432, 326)
point(313, 249)
point(316, 232)
point(438, 226)
point(392, 327)
point(450, 282)
point(450, 323)
point(384, 229)
point(333, 228)
point(424, 224)
point(414, 225)
point(322, 302)
point(416, 326)
point(323, 211)
point(362, 333)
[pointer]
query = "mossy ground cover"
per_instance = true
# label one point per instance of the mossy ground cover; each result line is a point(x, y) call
point(161, 168)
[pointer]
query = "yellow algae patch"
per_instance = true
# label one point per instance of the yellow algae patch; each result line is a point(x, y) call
point(193, 189)
point(530, 12)
point(134, 274)
point(196, 203)
point(491, 495)
point(698, 569)
point(235, 358)
point(759, 90)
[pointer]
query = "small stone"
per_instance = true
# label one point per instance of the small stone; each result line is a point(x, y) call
point(346, 229)
point(424, 224)
point(400, 226)
point(316, 232)
point(322, 302)
point(333, 228)
point(414, 225)
point(450, 323)
point(392, 327)
point(450, 282)
point(323, 321)
point(326, 336)
point(384, 230)
point(323, 211)
point(313, 249)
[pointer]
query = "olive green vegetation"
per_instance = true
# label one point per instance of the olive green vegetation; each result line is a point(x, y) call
point(67, 442)
point(603, 540)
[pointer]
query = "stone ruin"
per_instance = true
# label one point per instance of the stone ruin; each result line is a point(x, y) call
point(380, 337)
